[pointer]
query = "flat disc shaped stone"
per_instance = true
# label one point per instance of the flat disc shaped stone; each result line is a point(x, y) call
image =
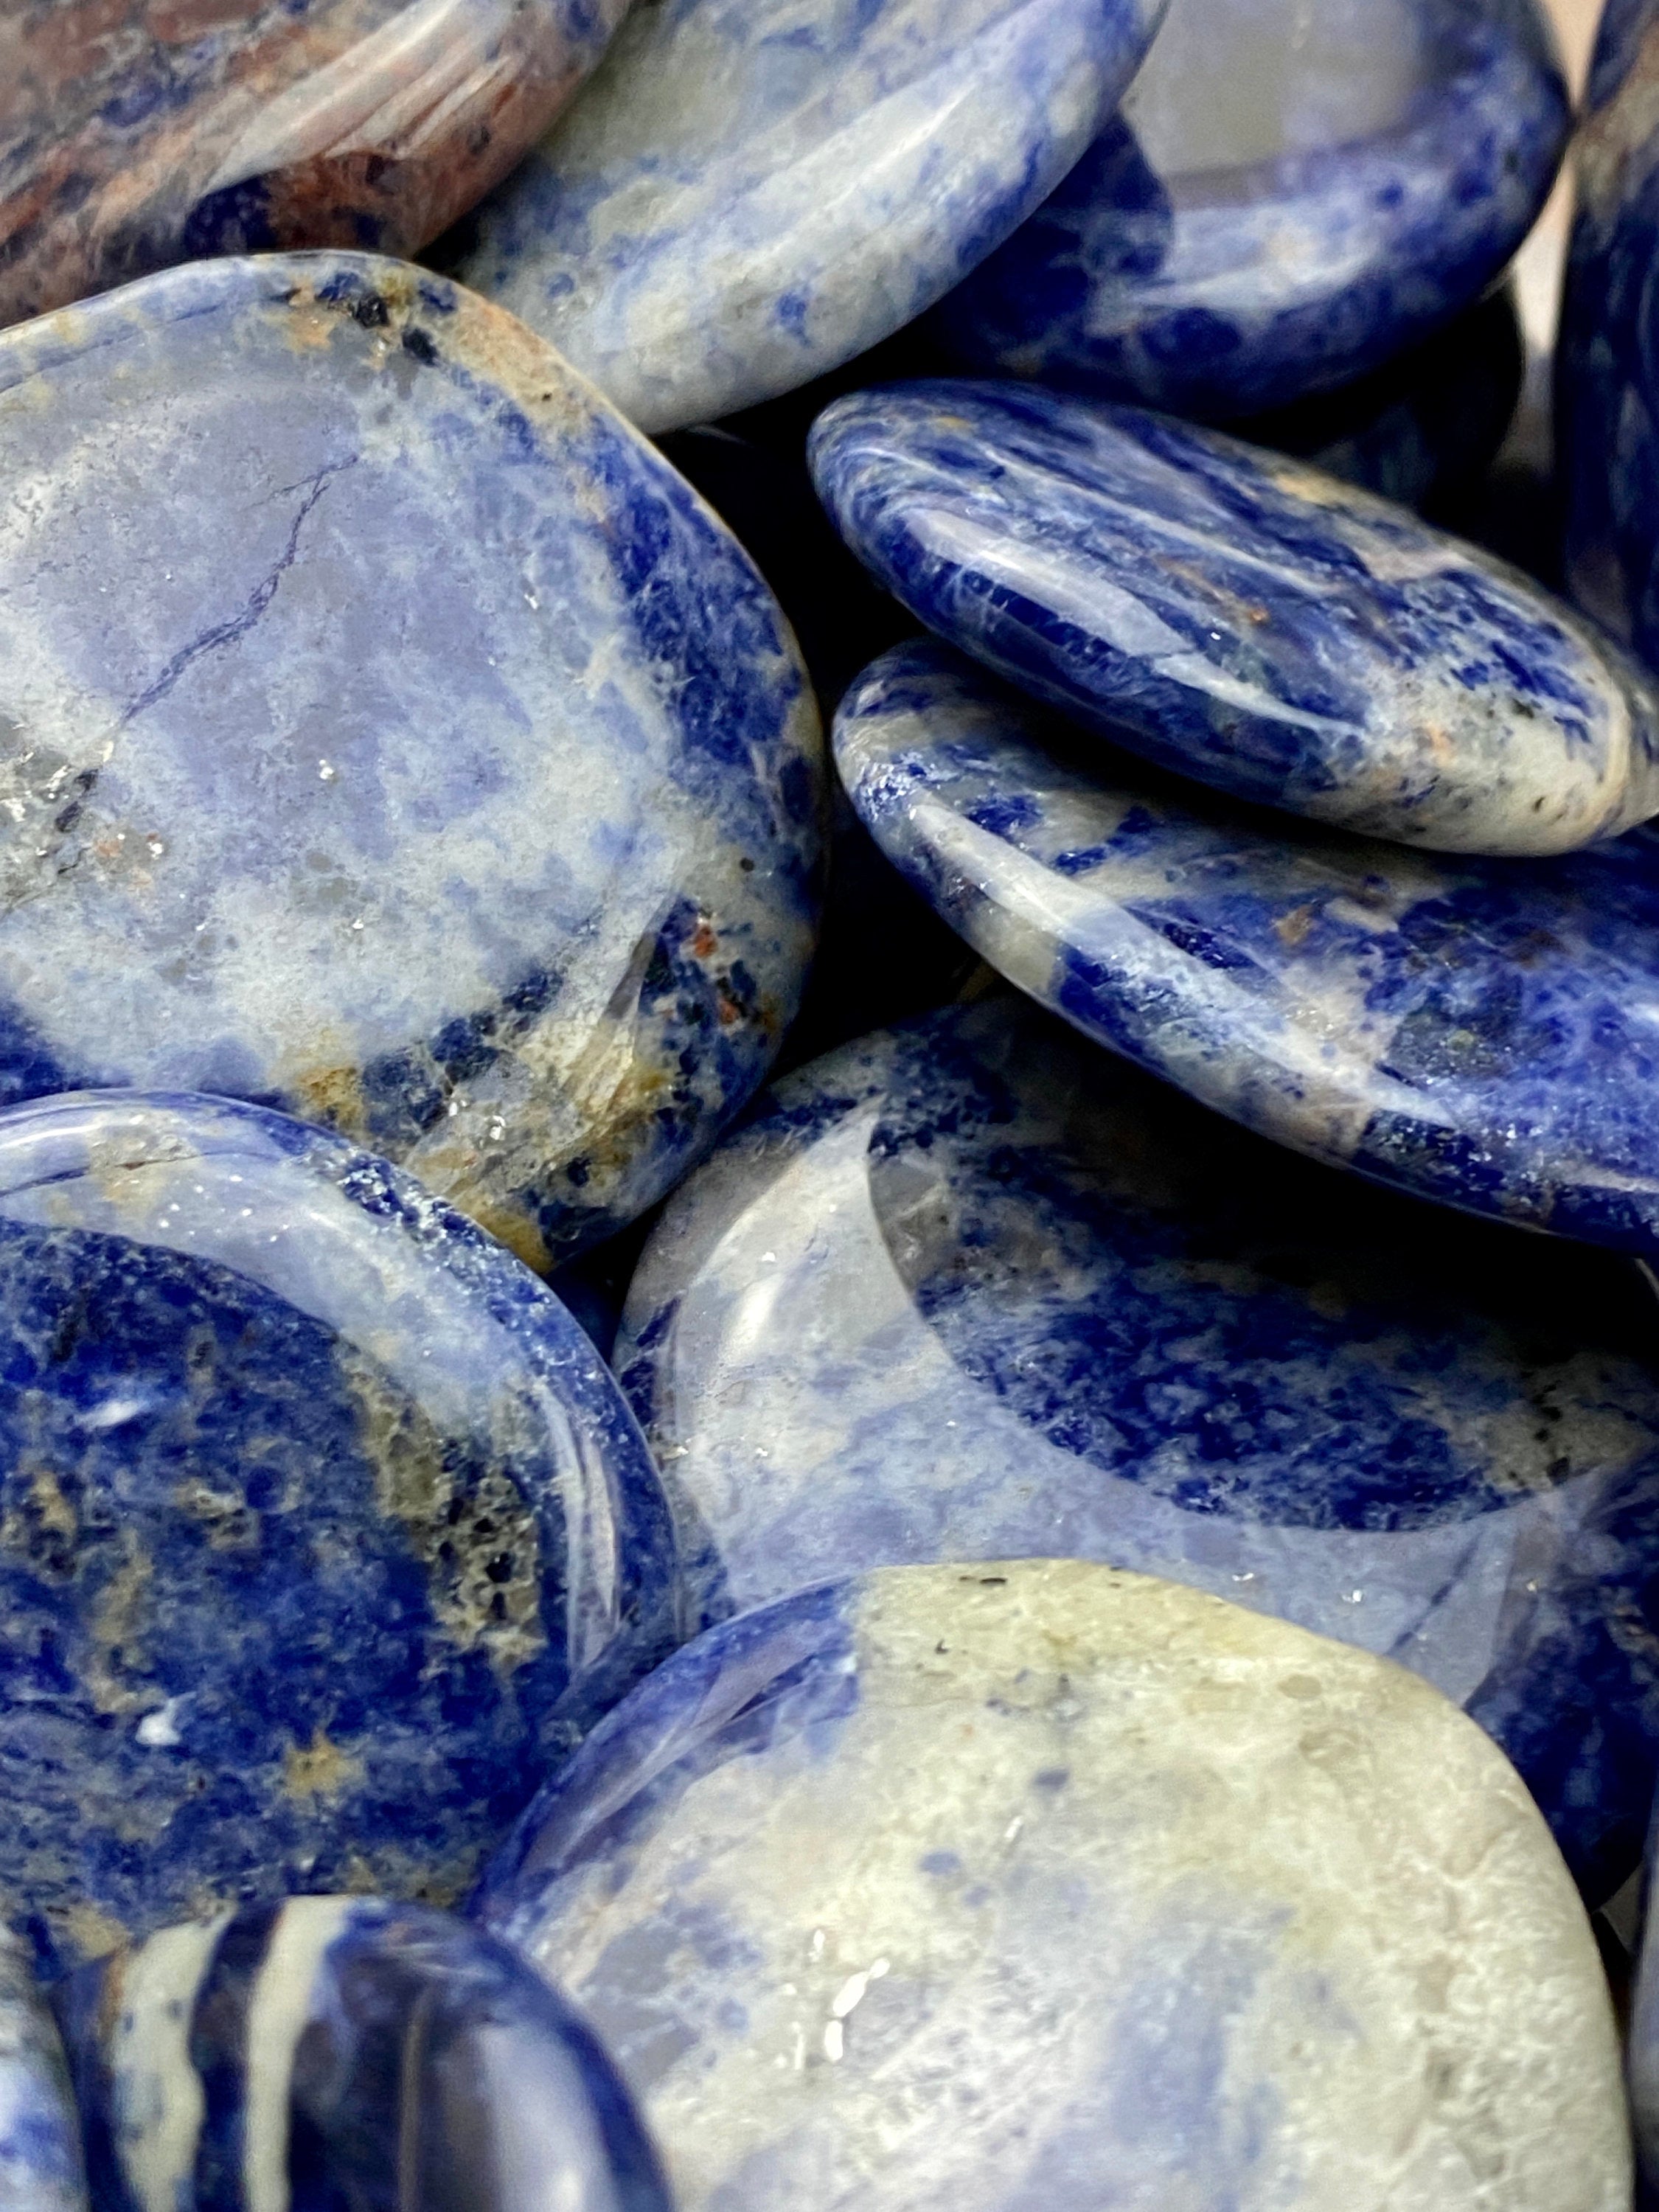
point(1040, 1883)
point(1288, 196)
point(388, 734)
point(345, 2051)
point(323, 1530)
point(1244, 619)
point(40, 2163)
point(971, 1290)
point(1608, 378)
point(146, 132)
point(751, 192)
point(1479, 1032)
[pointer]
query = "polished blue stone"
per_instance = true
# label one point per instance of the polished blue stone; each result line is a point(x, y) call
point(1288, 195)
point(1425, 427)
point(1239, 618)
point(1485, 1033)
point(345, 2051)
point(40, 2163)
point(971, 1290)
point(324, 1532)
point(1038, 1884)
point(750, 191)
point(1608, 378)
point(389, 735)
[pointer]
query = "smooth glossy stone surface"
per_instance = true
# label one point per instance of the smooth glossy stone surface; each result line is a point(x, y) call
point(41, 2168)
point(1243, 619)
point(148, 131)
point(1485, 1033)
point(345, 2051)
point(753, 190)
point(1608, 381)
point(324, 1532)
point(1293, 191)
point(388, 734)
point(1041, 1884)
point(972, 1289)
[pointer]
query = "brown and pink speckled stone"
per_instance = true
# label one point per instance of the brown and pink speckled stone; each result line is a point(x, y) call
point(135, 133)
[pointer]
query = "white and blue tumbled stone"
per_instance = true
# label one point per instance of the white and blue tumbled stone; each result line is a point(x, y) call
point(1608, 381)
point(1239, 618)
point(324, 1531)
point(1288, 195)
point(1481, 1032)
point(388, 734)
point(335, 2052)
point(40, 2163)
point(971, 1290)
point(1041, 1884)
point(751, 192)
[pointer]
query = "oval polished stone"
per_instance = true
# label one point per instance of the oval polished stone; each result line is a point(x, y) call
point(148, 131)
point(344, 2050)
point(324, 1531)
point(971, 1290)
point(389, 735)
point(1482, 1033)
point(752, 191)
point(1607, 380)
point(1289, 195)
point(40, 2165)
point(1243, 619)
point(1042, 1884)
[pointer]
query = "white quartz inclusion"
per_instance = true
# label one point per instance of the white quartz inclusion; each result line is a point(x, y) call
point(1229, 81)
point(1103, 1896)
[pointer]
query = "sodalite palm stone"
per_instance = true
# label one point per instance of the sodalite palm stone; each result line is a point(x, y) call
point(388, 734)
point(751, 192)
point(971, 1290)
point(140, 133)
point(1609, 383)
point(40, 2163)
point(1243, 619)
point(1040, 1884)
point(1479, 1032)
point(345, 2051)
point(324, 1532)
point(1288, 195)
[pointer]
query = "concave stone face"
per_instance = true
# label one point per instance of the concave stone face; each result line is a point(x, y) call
point(324, 1531)
point(1034, 1882)
point(1289, 195)
point(152, 131)
point(344, 2049)
point(388, 734)
point(972, 1289)
point(752, 191)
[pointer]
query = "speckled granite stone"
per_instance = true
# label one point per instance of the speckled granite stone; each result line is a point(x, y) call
point(1479, 1032)
point(389, 735)
point(973, 1289)
point(1289, 195)
point(753, 190)
point(41, 2166)
point(345, 2051)
point(324, 1532)
point(134, 133)
point(1040, 1884)
point(1608, 383)
point(1243, 619)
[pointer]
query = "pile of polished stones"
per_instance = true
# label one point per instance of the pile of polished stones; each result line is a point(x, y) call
point(829, 1107)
